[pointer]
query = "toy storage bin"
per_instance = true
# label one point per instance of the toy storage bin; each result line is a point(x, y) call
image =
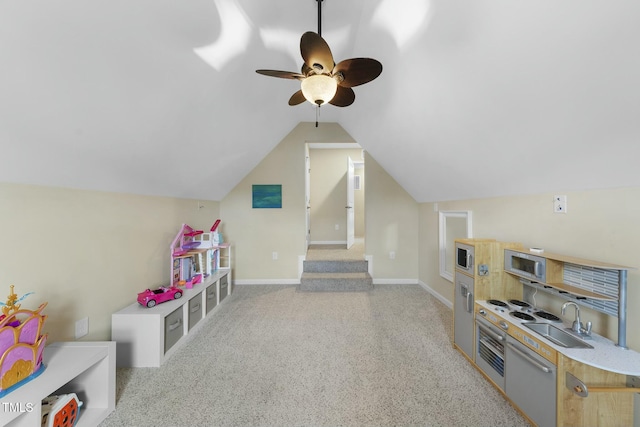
point(195, 310)
point(173, 328)
point(224, 287)
point(211, 296)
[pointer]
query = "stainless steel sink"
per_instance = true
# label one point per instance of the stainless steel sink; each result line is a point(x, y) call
point(557, 336)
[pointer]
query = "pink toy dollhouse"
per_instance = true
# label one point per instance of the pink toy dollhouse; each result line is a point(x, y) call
point(21, 345)
point(193, 255)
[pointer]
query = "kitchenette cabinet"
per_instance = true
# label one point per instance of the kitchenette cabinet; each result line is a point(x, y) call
point(479, 272)
point(589, 382)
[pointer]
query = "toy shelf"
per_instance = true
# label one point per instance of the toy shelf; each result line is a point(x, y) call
point(146, 337)
point(84, 368)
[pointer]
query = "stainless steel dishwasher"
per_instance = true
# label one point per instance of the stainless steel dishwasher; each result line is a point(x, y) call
point(530, 382)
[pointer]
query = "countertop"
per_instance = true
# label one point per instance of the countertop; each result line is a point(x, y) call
point(605, 354)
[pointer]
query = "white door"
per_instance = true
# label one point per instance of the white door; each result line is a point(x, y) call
point(307, 193)
point(351, 232)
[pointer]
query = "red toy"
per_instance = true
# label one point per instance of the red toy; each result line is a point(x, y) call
point(150, 298)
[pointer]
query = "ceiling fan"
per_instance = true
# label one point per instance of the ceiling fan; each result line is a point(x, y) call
point(321, 79)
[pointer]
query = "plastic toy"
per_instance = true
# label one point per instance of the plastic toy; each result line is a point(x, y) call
point(21, 345)
point(150, 298)
point(60, 411)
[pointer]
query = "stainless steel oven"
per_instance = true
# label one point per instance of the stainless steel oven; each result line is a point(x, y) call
point(490, 351)
point(526, 265)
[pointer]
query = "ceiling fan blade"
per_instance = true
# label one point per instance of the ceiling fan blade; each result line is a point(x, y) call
point(281, 74)
point(316, 52)
point(344, 97)
point(297, 98)
point(357, 71)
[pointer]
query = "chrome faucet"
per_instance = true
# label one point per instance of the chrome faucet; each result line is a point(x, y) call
point(577, 326)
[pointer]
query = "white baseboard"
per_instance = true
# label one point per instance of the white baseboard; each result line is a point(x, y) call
point(436, 295)
point(266, 282)
point(395, 281)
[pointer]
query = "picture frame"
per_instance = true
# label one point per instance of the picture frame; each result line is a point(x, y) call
point(266, 196)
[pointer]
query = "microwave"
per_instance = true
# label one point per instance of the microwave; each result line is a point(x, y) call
point(464, 257)
point(525, 265)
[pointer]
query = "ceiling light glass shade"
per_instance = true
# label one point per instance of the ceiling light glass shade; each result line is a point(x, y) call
point(319, 89)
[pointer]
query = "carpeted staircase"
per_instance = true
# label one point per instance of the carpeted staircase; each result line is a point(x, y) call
point(335, 276)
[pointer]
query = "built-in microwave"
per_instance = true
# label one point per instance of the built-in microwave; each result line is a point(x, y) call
point(464, 257)
point(526, 265)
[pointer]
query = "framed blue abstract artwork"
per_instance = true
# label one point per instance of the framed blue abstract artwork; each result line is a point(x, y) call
point(266, 196)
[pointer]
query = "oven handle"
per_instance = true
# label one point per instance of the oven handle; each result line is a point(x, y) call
point(529, 358)
point(469, 302)
point(490, 332)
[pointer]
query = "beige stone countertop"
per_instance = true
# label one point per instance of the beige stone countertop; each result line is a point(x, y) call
point(605, 354)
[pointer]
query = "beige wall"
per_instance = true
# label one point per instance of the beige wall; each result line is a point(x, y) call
point(391, 221)
point(601, 225)
point(88, 253)
point(257, 233)
point(391, 216)
point(329, 194)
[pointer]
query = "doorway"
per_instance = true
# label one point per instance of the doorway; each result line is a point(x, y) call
point(334, 193)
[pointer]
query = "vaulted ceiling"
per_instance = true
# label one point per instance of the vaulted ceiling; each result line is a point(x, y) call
point(477, 98)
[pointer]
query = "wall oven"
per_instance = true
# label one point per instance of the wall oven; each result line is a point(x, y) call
point(526, 265)
point(490, 351)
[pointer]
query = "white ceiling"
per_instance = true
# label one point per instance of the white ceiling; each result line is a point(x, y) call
point(478, 98)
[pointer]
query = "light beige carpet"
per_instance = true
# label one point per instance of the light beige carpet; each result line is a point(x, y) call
point(336, 252)
point(272, 356)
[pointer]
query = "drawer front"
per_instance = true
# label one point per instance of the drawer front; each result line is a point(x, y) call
point(211, 297)
point(195, 310)
point(224, 287)
point(173, 328)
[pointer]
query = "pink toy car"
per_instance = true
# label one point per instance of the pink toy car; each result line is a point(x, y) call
point(150, 298)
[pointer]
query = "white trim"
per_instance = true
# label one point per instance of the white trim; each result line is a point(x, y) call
point(332, 145)
point(369, 259)
point(436, 295)
point(266, 282)
point(301, 259)
point(395, 281)
point(328, 242)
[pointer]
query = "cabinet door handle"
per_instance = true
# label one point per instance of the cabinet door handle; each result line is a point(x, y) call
point(529, 358)
point(469, 302)
point(175, 325)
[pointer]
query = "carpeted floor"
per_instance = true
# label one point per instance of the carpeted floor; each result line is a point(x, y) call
point(271, 356)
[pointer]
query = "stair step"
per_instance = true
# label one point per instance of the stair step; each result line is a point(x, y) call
point(326, 266)
point(334, 282)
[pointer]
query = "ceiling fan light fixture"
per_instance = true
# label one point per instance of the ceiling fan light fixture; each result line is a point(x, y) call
point(319, 89)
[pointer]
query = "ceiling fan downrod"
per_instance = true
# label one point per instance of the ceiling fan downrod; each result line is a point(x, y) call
point(319, 17)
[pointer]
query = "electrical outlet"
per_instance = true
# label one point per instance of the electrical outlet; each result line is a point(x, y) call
point(82, 327)
point(560, 204)
point(337, 226)
point(274, 255)
point(392, 255)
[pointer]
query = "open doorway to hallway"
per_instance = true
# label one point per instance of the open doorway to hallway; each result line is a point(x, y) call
point(335, 195)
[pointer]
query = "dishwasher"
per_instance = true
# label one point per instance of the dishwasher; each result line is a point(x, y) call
point(530, 382)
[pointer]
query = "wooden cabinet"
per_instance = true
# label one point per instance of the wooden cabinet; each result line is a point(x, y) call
point(598, 285)
point(146, 337)
point(84, 368)
point(600, 408)
point(481, 280)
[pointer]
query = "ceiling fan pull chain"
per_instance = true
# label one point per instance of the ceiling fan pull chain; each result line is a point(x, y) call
point(317, 114)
